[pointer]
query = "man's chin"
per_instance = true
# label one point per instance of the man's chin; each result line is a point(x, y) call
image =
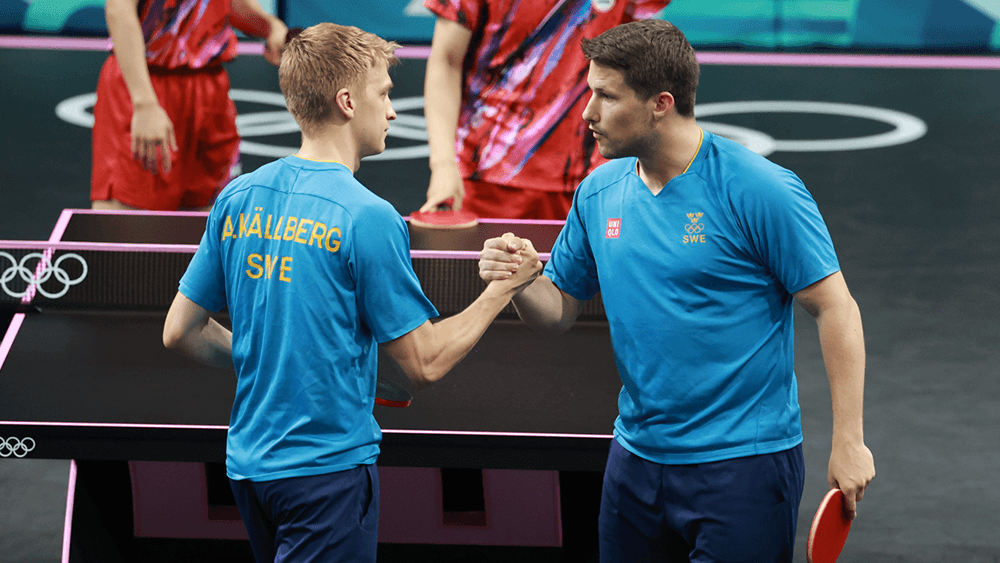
point(606, 152)
point(373, 151)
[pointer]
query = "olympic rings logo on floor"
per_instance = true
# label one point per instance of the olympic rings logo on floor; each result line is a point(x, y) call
point(413, 127)
point(45, 269)
point(16, 447)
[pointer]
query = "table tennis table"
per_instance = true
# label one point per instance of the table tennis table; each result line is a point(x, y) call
point(84, 375)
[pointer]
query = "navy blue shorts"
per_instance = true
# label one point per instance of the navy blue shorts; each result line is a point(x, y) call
point(742, 509)
point(322, 518)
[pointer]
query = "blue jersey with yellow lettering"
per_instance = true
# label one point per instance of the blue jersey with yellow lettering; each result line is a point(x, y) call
point(697, 283)
point(315, 270)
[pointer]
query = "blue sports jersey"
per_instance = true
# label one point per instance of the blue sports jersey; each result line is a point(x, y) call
point(697, 283)
point(315, 270)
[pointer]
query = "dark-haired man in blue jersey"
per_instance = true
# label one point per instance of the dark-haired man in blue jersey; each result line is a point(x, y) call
point(316, 273)
point(699, 247)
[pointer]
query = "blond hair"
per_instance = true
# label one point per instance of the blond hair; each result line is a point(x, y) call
point(323, 59)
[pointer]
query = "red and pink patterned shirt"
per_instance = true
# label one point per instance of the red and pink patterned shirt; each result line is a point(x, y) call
point(525, 87)
point(186, 33)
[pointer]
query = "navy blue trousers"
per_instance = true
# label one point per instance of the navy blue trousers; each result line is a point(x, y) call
point(737, 510)
point(321, 518)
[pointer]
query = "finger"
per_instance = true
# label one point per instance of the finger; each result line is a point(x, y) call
point(490, 275)
point(527, 245)
point(494, 244)
point(436, 203)
point(501, 264)
point(153, 156)
point(167, 158)
point(850, 505)
point(145, 157)
point(513, 242)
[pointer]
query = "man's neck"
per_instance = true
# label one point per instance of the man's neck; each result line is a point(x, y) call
point(678, 149)
point(331, 147)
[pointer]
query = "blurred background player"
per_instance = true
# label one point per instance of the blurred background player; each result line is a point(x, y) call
point(164, 127)
point(505, 88)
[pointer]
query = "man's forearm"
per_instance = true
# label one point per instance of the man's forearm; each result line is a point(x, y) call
point(842, 342)
point(544, 308)
point(213, 346)
point(429, 352)
point(130, 51)
point(444, 79)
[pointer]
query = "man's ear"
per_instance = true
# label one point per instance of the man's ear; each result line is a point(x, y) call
point(344, 101)
point(663, 103)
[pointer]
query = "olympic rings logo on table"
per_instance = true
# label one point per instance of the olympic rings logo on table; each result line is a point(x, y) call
point(44, 270)
point(413, 127)
point(17, 447)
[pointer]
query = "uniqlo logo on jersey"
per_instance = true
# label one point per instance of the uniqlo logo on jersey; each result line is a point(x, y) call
point(614, 228)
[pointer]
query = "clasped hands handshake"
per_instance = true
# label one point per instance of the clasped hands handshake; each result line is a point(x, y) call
point(509, 258)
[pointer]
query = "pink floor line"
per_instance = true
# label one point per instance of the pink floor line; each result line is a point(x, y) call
point(68, 522)
point(986, 62)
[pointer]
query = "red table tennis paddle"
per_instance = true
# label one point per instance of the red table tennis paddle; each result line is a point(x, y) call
point(444, 217)
point(829, 529)
point(389, 393)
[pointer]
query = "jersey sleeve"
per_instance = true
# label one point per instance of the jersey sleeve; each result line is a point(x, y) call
point(465, 12)
point(788, 233)
point(571, 265)
point(389, 296)
point(204, 280)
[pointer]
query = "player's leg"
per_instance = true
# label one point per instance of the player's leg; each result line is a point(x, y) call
point(631, 518)
point(118, 181)
point(739, 510)
point(215, 159)
point(323, 518)
point(258, 522)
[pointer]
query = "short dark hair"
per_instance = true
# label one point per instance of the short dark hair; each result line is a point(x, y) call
point(653, 56)
point(321, 60)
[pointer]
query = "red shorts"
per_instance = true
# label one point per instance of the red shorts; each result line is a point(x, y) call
point(204, 120)
point(498, 201)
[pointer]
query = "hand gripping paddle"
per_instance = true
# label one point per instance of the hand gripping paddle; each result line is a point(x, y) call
point(829, 529)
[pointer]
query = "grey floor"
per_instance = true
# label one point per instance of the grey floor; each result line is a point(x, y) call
point(917, 229)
